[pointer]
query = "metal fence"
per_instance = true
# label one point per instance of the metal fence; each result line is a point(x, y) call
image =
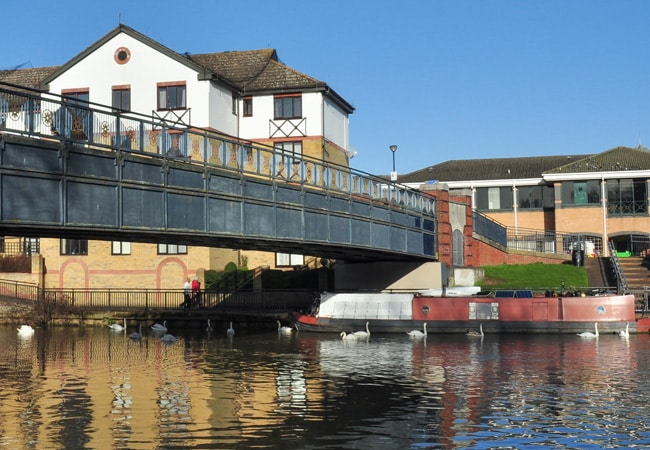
point(161, 300)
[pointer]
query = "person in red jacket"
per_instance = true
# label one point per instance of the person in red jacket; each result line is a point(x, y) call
point(196, 292)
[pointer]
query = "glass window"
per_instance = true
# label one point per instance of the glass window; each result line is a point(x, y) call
point(288, 107)
point(530, 197)
point(288, 260)
point(581, 192)
point(172, 249)
point(234, 103)
point(626, 197)
point(74, 246)
point(171, 97)
point(248, 106)
point(494, 198)
point(121, 248)
point(294, 148)
point(121, 99)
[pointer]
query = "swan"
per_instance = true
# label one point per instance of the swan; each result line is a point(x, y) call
point(475, 333)
point(168, 338)
point(158, 327)
point(25, 330)
point(418, 333)
point(117, 326)
point(348, 337)
point(230, 331)
point(209, 327)
point(363, 334)
point(137, 335)
point(626, 331)
point(282, 329)
point(589, 334)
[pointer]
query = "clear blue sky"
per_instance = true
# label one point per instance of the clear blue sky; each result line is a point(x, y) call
point(448, 79)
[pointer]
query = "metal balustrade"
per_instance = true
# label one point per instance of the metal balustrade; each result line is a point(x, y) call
point(43, 115)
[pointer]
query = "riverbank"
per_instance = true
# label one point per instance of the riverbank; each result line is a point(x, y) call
point(15, 310)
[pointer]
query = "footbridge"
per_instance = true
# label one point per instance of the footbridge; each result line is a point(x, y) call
point(80, 170)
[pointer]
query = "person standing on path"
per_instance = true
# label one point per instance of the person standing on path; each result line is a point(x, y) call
point(187, 293)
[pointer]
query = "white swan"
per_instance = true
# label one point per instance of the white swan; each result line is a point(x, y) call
point(626, 331)
point(282, 329)
point(25, 330)
point(589, 334)
point(159, 327)
point(137, 335)
point(168, 338)
point(475, 333)
point(363, 334)
point(418, 333)
point(230, 331)
point(348, 337)
point(117, 326)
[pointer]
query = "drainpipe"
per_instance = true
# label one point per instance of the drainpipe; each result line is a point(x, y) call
point(514, 206)
point(604, 203)
point(473, 198)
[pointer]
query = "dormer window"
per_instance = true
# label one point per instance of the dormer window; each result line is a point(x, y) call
point(172, 96)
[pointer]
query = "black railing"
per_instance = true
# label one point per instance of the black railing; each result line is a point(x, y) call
point(619, 275)
point(161, 300)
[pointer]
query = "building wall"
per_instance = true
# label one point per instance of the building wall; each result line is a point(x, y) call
point(144, 268)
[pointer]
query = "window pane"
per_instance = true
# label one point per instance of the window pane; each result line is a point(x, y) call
point(593, 192)
point(297, 260)
point(181, 97)
point(282, 259)
point(162, 98)
point(482, 201)
point(74, 247)
point(494, 199)
point(297, 110)
point(505, 194)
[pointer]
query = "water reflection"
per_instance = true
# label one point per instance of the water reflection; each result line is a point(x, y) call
point(93, 388)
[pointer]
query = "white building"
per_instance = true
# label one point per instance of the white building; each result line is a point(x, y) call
point(245, 95)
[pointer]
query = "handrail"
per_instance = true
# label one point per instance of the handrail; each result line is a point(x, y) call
point(50, 116)
point(621, 282)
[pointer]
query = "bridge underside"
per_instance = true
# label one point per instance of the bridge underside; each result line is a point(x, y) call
point(64, 190)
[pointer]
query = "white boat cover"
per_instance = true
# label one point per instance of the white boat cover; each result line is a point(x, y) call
point(370, 306)
point(458, 291)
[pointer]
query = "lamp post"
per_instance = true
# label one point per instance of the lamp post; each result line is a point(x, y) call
point(393, 174)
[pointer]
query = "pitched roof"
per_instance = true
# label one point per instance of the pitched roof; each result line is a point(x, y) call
point(27, 77)
point(489, 169)
point(258, 71)
point(250, 71)
point(614, 160)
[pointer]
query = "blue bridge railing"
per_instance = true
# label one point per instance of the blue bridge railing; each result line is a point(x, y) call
point(44, 115)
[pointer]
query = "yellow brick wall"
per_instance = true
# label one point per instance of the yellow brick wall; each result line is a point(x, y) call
point(144, 268)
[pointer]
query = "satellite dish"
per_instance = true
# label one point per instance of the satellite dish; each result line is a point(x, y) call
point(351, 152)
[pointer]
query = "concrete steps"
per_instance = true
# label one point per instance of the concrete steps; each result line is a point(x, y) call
point(636, 275)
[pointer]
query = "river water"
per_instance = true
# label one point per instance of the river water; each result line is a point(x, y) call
point(83, 388)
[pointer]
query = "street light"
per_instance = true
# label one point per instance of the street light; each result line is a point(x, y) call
point(393, 174)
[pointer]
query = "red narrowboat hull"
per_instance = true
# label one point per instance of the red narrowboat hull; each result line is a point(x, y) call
point(350, 312)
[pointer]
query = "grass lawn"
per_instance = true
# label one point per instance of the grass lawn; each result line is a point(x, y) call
point(536, 276)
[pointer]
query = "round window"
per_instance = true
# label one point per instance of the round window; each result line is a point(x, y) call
point(122, 55)
point(425, 310)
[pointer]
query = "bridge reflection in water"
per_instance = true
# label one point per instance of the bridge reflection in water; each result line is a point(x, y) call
point(94, 388)
point(123, 176)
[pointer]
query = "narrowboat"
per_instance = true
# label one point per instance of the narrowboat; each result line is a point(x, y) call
point(457, 311)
